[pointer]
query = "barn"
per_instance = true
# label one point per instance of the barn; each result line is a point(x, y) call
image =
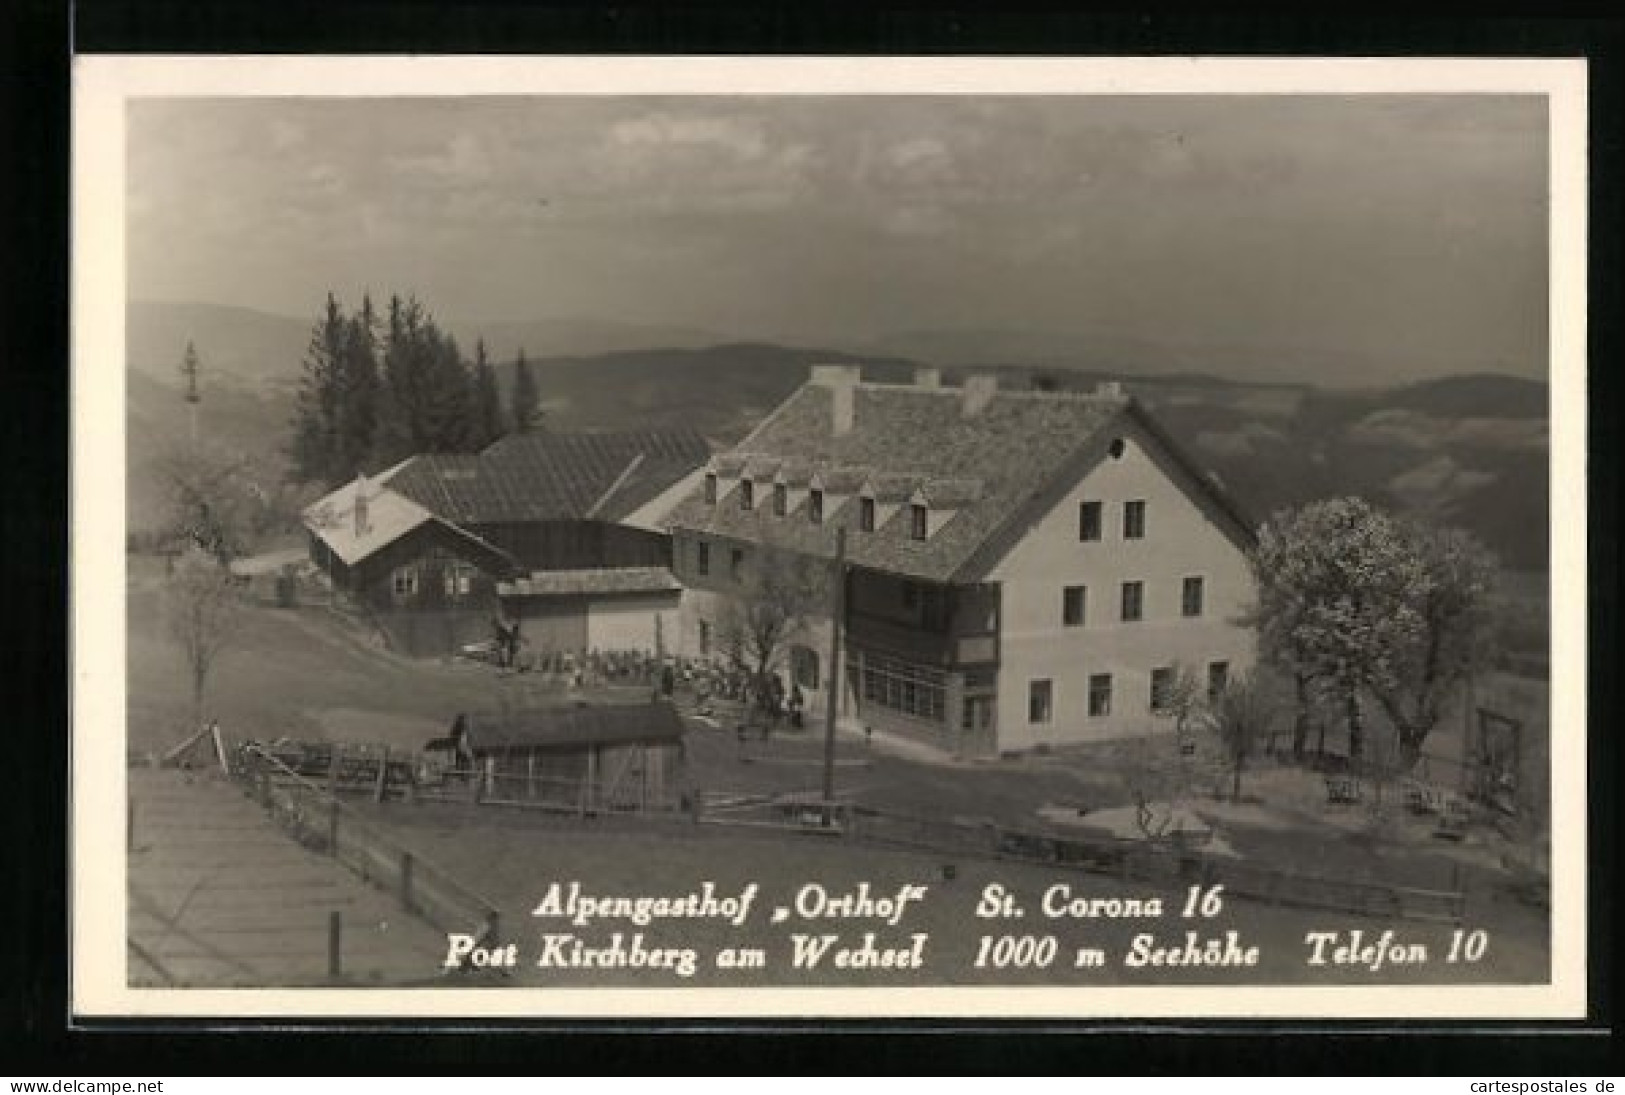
point(592, 757)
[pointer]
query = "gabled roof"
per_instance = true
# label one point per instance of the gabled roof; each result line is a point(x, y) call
point(389, 516)
point(995, 468)
point(545, 728)
point(551, 476)
point(553, 583)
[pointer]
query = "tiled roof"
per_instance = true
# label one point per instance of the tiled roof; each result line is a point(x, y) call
point(544, 583)
point(992, 465)
point(543, 728)
point(548, 476)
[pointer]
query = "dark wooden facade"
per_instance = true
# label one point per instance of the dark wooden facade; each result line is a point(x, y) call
point(576, 544)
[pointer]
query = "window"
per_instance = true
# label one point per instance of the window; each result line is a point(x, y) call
point(917, 522)
point(1218, 675)
point(815, 507)
point(747, 494)
point(1073, 601)
point(711, 488)
point(1162, 689)
point(458, 579)
point(1191, 600)
point(1133, 600)
point(781, 499)
point(1134, 520)
point(914, 690)
point(866, 514)
point(1089, 521)
point(1040, 701)
point(705, 638)
point(1100, 694)
point(702, 557)
point(736, 563)
point(405, 581)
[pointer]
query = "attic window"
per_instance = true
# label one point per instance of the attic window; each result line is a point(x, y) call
point(815, 507)
point(781, 499)
point(747, 494)
point(1116, 448)
point(711, 488)
point(917, 522)
point(866, 514)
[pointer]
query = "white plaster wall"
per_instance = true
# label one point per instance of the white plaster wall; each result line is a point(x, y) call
point(628, 623)
point(1179, 540)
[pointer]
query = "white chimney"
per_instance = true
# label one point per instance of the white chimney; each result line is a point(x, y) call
point(977, 393)
point(927, 376)
point(362, 526)
point(842, 382)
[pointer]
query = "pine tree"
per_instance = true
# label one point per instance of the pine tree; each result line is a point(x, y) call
point(525, 397)
point(358, 394)
point(315, 448)
point(487, 399)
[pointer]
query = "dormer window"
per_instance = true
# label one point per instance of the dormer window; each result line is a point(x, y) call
point(747, 494)
point(866, 514)
point(710, 488)
point(781, 499)
point(815, 506)
point(917, 521)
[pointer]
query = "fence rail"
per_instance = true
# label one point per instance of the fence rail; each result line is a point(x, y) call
point(1164, 861)
point(315, 817)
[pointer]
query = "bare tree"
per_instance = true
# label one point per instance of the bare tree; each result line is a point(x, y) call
point(204, 610)
point(780, 591)
point(1241, 716)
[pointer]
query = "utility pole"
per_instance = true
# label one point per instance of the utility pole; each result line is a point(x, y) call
point(834, 672)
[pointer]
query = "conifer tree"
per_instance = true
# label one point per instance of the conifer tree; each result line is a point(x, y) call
point(487, 399)
point(525, 397)
point(315, 447)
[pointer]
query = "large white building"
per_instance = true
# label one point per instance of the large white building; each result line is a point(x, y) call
point(1024, 568)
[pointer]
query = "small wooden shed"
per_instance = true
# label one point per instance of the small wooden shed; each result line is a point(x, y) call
point(587, 756)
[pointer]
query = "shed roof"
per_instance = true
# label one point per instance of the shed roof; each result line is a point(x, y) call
point(553, 583)
point(563, 728)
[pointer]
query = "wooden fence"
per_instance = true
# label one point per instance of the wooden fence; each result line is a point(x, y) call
point(1160, 862)
point(313, 815)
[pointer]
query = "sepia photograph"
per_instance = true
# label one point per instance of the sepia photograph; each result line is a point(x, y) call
point(887, 538)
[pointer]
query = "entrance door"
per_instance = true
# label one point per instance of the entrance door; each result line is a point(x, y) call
point(978, 725)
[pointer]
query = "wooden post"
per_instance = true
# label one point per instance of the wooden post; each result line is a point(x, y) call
point(333, 828)
point(834, 668)
point(383, 777)
point(406, 881)
point(335, 934)
point(333, 770)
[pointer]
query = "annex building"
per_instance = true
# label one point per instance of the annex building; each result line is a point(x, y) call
point(1025, 568)
point(558, 532)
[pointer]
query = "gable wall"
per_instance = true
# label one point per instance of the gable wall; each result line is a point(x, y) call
point(1180, 539)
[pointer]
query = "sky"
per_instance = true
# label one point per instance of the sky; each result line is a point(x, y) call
point(1410, 230)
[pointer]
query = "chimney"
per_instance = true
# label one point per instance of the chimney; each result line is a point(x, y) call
point(842, 382)
point(927, 376)
point(977, 393)
point(362, 526)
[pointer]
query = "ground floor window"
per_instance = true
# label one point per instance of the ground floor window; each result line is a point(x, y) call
point(1218, 676)
point(914, 690)
point(1100, 694)
point(459, 579)
point(404, 581)
point(1162, 689)
point(1040, 701)
point(705, 638)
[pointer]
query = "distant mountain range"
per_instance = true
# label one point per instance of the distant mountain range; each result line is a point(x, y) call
point(1469, 450)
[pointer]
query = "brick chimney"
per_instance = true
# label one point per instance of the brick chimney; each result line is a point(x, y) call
point(927, 376)
point(362, 524)
point(977, 393)
point(842, 382)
